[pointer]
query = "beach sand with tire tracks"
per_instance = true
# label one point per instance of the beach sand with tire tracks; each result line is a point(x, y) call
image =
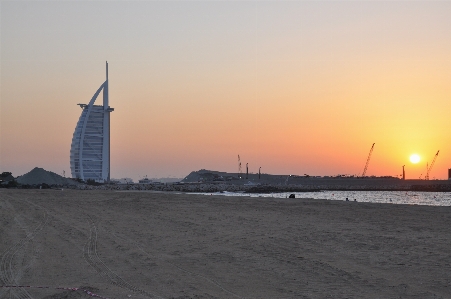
point(168, 245)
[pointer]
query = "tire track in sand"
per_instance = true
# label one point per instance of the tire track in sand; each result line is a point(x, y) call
point(7, 262)
point(91, 256)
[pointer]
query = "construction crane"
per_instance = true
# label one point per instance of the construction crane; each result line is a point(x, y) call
point(368, 160)
point(426, 177)
point(239, 167)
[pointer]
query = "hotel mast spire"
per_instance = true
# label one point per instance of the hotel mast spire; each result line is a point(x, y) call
point(105, 90)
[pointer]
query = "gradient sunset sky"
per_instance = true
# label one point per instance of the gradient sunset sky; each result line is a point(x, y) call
point(293, 87)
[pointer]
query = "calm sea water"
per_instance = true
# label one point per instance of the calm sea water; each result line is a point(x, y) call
point(393, 197)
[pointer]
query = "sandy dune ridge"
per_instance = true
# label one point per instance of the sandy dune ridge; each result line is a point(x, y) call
point(167, 245)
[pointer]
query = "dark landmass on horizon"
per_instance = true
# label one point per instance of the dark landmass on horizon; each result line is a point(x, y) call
point(216, 181)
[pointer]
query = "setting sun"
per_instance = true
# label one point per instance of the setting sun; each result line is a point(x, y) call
point(414, 158)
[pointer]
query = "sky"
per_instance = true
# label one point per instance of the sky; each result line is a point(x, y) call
point(293, 87)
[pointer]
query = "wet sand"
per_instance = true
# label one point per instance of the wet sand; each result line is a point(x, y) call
point(167, 245)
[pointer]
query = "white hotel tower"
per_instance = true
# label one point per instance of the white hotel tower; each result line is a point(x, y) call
point(90, 149)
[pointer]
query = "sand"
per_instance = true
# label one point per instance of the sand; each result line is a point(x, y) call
point(167, 245)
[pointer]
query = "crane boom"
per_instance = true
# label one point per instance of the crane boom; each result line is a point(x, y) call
point(430, 167)
point(368, 160)
point(239, 167)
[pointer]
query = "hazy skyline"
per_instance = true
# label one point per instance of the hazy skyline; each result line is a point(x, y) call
point(293, 87)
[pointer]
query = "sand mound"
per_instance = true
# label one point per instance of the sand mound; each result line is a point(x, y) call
point(41, 176)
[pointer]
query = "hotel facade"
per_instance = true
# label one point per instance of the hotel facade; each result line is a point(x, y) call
point(90, 148)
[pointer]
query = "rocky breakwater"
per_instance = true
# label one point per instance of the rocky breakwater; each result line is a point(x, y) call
point(310, 186)
point(432, 188)
point(200, 188)
point(369, 184)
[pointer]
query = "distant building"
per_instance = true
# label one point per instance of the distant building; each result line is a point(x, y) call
point(145, 181)
point(90, 149)
point(449, 174)
point(122, 181)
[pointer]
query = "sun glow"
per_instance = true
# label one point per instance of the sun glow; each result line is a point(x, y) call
point(414, 158)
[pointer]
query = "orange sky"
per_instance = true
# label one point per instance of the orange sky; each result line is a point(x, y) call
point(292, 87)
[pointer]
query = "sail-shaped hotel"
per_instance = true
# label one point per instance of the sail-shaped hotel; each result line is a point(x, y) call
point(90, 149)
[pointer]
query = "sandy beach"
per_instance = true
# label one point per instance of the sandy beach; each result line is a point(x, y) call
point(167, 245)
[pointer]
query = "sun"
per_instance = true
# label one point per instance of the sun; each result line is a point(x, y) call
point(414, 158)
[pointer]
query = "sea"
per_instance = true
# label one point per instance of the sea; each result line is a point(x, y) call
point(389, 197)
